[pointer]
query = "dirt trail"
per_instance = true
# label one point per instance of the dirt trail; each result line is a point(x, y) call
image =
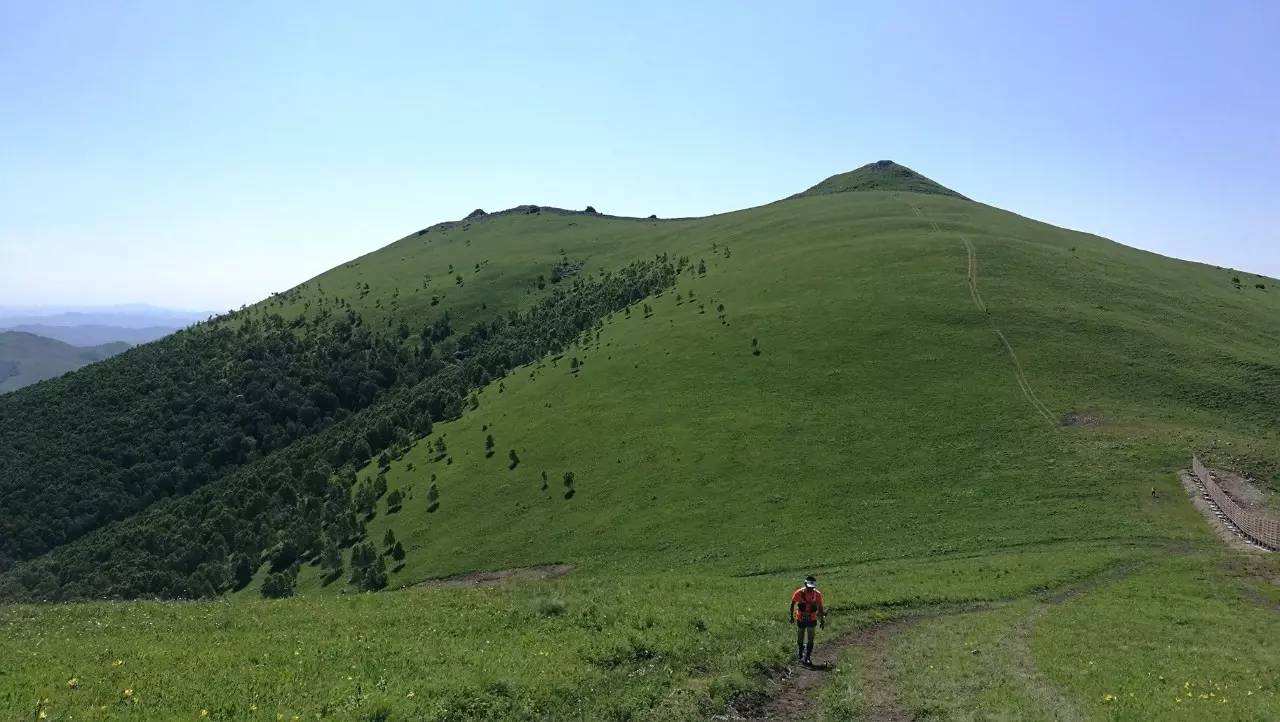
point(1024, 384)
point(797, 699)
point(501, 576)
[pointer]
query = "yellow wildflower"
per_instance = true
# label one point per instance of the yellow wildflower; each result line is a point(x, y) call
point(128, 692)
point(73, 683)
point(1108, 697)
point(204, 713)
point(410, 695)
point(117, 663)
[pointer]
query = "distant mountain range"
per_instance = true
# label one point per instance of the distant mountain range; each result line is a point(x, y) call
point(26, 358)
point(95, 334)
point(124, 316)
point(40, 342)
point(96, 325)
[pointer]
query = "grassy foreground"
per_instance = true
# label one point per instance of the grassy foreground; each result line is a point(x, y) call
point(588, 646)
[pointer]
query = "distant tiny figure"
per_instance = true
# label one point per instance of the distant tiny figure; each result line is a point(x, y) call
point(807, 612)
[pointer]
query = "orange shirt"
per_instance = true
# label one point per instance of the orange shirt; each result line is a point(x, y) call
point(808, 604)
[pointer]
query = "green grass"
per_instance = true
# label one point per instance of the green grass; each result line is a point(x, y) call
point(878, 439)
point(1179, 638)
point(589, 645)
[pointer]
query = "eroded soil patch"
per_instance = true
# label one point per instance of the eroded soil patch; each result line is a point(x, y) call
point(501, 576)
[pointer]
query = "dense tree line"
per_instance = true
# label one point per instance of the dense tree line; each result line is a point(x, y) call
point(234, 445)
point(166, 418)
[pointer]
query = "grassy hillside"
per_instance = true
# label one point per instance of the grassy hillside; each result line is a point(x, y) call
point(937, 406)
point(26, 358)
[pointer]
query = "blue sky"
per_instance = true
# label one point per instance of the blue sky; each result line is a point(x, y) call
point(202, 157)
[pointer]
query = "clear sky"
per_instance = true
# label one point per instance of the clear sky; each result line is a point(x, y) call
point(203, 155)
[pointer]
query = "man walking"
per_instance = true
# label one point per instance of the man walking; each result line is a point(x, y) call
point(807, 612)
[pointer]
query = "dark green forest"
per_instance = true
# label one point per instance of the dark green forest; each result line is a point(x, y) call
point(177, 469)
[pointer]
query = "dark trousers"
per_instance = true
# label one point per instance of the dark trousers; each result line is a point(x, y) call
point(804, 638)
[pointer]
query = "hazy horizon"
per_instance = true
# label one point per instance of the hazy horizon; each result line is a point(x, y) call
point(201, 158)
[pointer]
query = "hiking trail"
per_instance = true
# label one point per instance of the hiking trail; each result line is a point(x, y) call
point(1020, 375)
point(797, 697)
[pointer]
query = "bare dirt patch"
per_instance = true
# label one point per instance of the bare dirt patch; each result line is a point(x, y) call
point(1081, 419)
point(1244, 492)
point(500, 577)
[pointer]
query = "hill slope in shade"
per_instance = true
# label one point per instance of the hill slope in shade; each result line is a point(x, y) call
point(26, 358)
point(924, 400)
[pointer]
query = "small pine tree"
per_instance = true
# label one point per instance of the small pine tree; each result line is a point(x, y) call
point(241, 570)
point(515, 460)
point(397, 552)
point(365, 499)
point(395, 499)
point(380, 485)
point(569, 490)
point(433, 497)
point(544, 480)
point(441, 449)
point(281, 584)
point(362, 555)
point(375, 576)
point(702, 267)
point(331, 556)
point(488, 445)
point(389, 539)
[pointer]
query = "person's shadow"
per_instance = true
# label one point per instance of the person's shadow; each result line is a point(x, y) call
point(819, 666)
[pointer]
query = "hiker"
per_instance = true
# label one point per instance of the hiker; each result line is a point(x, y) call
point(807, 612)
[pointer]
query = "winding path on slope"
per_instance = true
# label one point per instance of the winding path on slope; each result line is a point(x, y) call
point(1020, 375)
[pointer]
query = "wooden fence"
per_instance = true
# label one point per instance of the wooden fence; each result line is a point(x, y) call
point(1259, 527)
